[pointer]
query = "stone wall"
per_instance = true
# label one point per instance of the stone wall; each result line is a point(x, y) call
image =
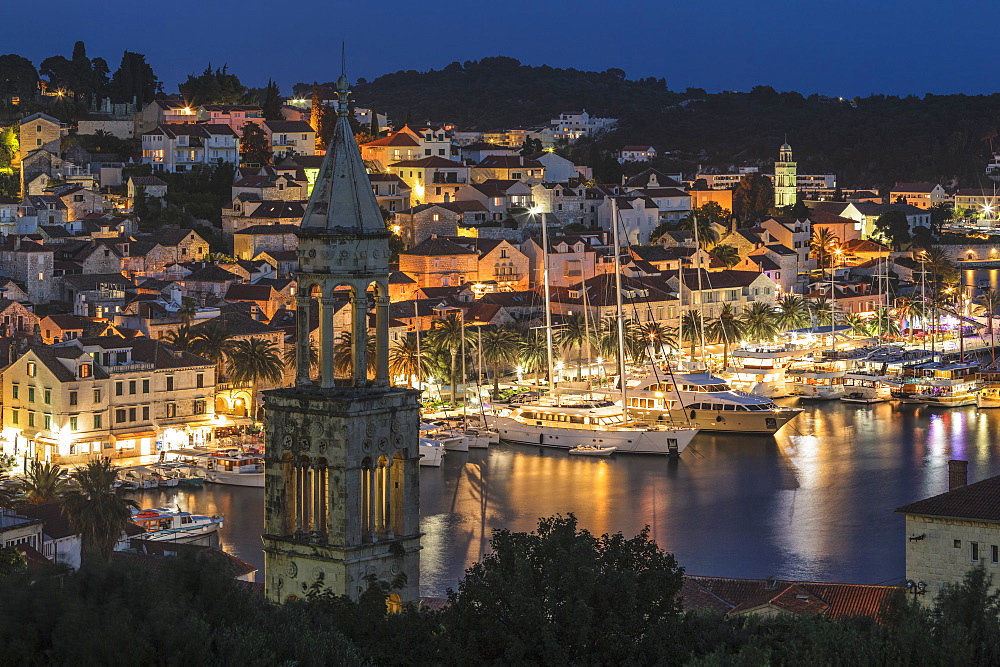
point(936, 560)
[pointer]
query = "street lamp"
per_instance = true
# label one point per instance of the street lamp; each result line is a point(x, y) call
point(915, 588)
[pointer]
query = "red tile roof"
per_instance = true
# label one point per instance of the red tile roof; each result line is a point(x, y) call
point(734, 596)
point(979, 501)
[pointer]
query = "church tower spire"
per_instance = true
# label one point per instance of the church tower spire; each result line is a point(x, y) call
point(341, 464)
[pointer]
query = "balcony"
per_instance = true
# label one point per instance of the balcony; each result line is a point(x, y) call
point(129, 368)
point(507, 277)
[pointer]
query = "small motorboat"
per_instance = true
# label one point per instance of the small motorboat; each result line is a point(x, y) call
point(592, 450)
point(431, 452)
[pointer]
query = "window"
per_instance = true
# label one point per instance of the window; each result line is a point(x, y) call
point(200, 380)
point(73, 422)
point(84, 370)
point(974, 551)
point(131, 414)
point(15, 417)
point(97, 421)
point(31, 394)
point(145, 386)
point(47, 422)
point(199, 407)
point(14, 391)
point(47, 394)
point(72, 398)
point(131, 386)
point(171, 410)
point(995, 554)
point(120, 416)
point(31, 419)
point(170, 383)
point(145, 413)
point(97, 396)
point(119, 388)
point(32, 369)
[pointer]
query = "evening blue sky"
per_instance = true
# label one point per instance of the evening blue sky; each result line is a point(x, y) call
point(839, 47)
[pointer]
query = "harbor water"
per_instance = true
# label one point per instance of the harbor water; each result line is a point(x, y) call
point(814, 502)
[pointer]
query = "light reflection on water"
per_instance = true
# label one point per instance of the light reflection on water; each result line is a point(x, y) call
point(814, 502)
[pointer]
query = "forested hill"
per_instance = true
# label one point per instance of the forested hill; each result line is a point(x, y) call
point(870, 141)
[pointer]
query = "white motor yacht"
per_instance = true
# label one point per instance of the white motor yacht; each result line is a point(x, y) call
point(451, 439)
point(431, 452)
point(759, 369)
point(704, 401)
point(599, 423)
point(236, 469)
point(164, 524)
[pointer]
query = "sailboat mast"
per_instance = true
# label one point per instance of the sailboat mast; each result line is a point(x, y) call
point(701, 296)
point(618, 306)
point(548, 303)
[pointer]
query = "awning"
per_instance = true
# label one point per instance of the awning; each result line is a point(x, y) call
point(133, 436)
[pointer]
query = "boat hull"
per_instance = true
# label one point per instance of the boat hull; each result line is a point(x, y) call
point(431, 455)
point(950, 403)
point(670, 441)
point(987, 402)
point(254, 479)
point(731, 421)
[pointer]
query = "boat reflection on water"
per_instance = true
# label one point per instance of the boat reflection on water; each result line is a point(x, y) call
point(813, 502)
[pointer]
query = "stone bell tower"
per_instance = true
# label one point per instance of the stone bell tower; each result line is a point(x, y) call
point(341, 465)
point(785, 178)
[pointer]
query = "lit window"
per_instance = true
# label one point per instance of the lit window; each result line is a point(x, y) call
point(32, 369)
point(85, 370)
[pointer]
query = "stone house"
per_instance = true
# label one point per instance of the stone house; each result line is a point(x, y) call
point(61, 327)
point(498, 196)
point(572, 258)
point(954, 531)
point(557, 168)
point(245, 214)
point(391, 192)
point(500, 261)
point(151, 185)
point(208, 280)
point(11, 289)
point(707, 292)
point(265, 297)
point(16, 318)
point(88, 257)
point(50, 209)
point(567, 200)
point(419, 223)
point(285, 262)
point(39, 131)
point(509, 168)
point(79, 201)
point(920, 195)
point(169, 247)
point(288, 137)
point(248, 243)
point(438, 262)
point(31, 265)
point(639, 217)
point(269, 184)
point(37, 168)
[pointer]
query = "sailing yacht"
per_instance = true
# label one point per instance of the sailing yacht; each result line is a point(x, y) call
point(564, 424)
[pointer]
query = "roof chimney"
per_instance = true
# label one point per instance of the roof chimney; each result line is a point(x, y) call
point(958, 474)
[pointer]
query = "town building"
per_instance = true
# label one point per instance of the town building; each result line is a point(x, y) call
point(920, 195)
point(508, 168)
point(431, 179)
point(952, 532)
point(635, 154)
point(785, 185)
point(290, 137)
point(173, 148)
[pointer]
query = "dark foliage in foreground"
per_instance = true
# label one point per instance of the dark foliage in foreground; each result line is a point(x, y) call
point(555, 596)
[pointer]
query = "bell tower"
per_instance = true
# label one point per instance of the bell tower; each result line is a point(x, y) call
point(341, 464)
point(785, 178)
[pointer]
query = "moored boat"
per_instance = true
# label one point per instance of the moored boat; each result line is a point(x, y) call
point(164, 524)
point(943, 384)
point(431, 452)
point(593, 450)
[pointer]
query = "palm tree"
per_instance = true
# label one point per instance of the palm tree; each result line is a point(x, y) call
point(909, 309)
point(691, 330)
point(707, 236)
point(188, 309)
point(181, 337)
point(885, 325)
point(43, 482)
point(823, 243)
point(9, 490)
point(988, 304)
point(254, 360)
point(500, 347)
point(793, 312)
point(859, 325)
point(727, 254)
point(572, 334)
point(96, 510)
point(725, 328)
point(821, 310)
point(291, 356)
point(213, 342)
point(656, 335)
point(404, 360)
point(760, 322)
point(343, 355)
point(446, 334)
point(938, 263)
point(531, 352)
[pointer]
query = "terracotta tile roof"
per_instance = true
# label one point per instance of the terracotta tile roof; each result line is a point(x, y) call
point(434, 162)
point(863, 245)
point(509, 162)
point(979, 501)
point(734, 596)
point(924, 188)
point(294, 126)
point(249, 293)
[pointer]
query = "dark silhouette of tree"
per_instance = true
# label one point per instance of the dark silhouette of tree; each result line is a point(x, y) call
point(254, 148)
point(894, 228)
point(216, 86)
point(134, 80)
point(753, 198)
point(271, 103)
point(18, 77)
